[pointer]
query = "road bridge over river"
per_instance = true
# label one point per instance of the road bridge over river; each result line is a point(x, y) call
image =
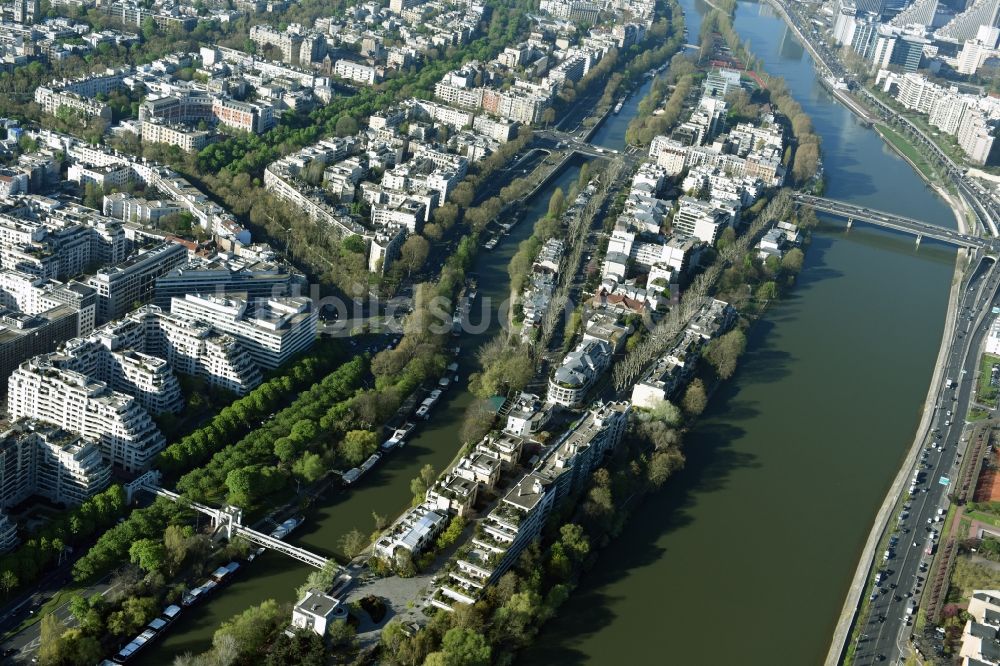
point(892, 221)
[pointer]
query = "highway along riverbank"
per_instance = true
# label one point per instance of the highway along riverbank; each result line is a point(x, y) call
point(763, 528)
point(385, 490)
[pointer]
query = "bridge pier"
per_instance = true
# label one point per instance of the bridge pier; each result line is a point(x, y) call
point(919, 237)
point(850, 223)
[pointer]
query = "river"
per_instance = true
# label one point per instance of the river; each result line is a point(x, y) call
point(746, 555)
point(386, 489)
point(784, 471)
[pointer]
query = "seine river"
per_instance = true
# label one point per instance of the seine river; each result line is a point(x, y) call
point(760, 533)
point(745, 557)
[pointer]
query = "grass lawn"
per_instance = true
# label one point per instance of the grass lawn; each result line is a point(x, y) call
point(985, 393)
point(983, 517)
point(909, 150)
point(976, 414)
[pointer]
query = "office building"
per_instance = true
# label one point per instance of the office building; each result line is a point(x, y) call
point(122, 287)
point(272, 330)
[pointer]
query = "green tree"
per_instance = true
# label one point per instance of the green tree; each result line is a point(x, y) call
point(250, 630)
point(556, 203)
point(310, 467)
point(724, 352)
point(8, 582)
point(149, 555)
point(695, 398)
point(355, 244)
point(414, 253)
point(50, 648)
point(286, 449)
point(341, 634)
point(303, 648)
point(353, 543)
point(421, 483)
point(792, 261)
point(358, 445)
point(462, 647)
point(346, 126)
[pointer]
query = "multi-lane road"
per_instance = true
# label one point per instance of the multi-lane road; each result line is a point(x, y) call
point(884, 636)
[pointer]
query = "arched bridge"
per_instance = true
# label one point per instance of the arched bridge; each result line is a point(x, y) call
point(890, 221)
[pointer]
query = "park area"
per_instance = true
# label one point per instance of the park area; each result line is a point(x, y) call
point(987, 389)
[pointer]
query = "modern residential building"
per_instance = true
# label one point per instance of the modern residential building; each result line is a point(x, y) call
point(272, 330)
point(187, 139)
point(23, 336)
point(221, 275)
point(44, 460)
point(316, 611)
point(700, 219)
point(127, 436)
point(411, 533)
point(571, 381)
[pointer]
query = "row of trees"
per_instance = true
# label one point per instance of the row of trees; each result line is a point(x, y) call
point(303, 439)
point(44, 549)
point(238, 418)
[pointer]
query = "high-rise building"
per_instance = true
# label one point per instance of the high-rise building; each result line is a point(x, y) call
point(123, 286)
point(40, 389)
point(920, 12)
point(966, 25)
point(272, 330)
point(41, 459)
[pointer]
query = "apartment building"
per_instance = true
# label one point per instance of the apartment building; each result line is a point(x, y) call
point(189, 106)
point(700, 219)
point(127, 436)
point(121, 287)
point(123, 206)
point(357, 72)
point(519, 518)
point(34, 296)
point(188, 140)
point(219, 275)
point(39, 459)
point(22, 336)
point(244, 116)
point(147, 378)
point(272, 330)
point(571, 381)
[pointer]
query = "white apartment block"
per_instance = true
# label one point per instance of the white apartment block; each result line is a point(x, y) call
point(147, 378)
point(127, 436)
point(917, 93)
point(975, 136)
point(571, 381)
point(947, 112)
point(357, 72)
point(106, 177)
point(40, 459)
point(188, 140)
point(191, 347)
point(700, 219)
point(272, 330)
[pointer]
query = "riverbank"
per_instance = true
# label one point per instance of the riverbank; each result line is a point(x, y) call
point(853, 602)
